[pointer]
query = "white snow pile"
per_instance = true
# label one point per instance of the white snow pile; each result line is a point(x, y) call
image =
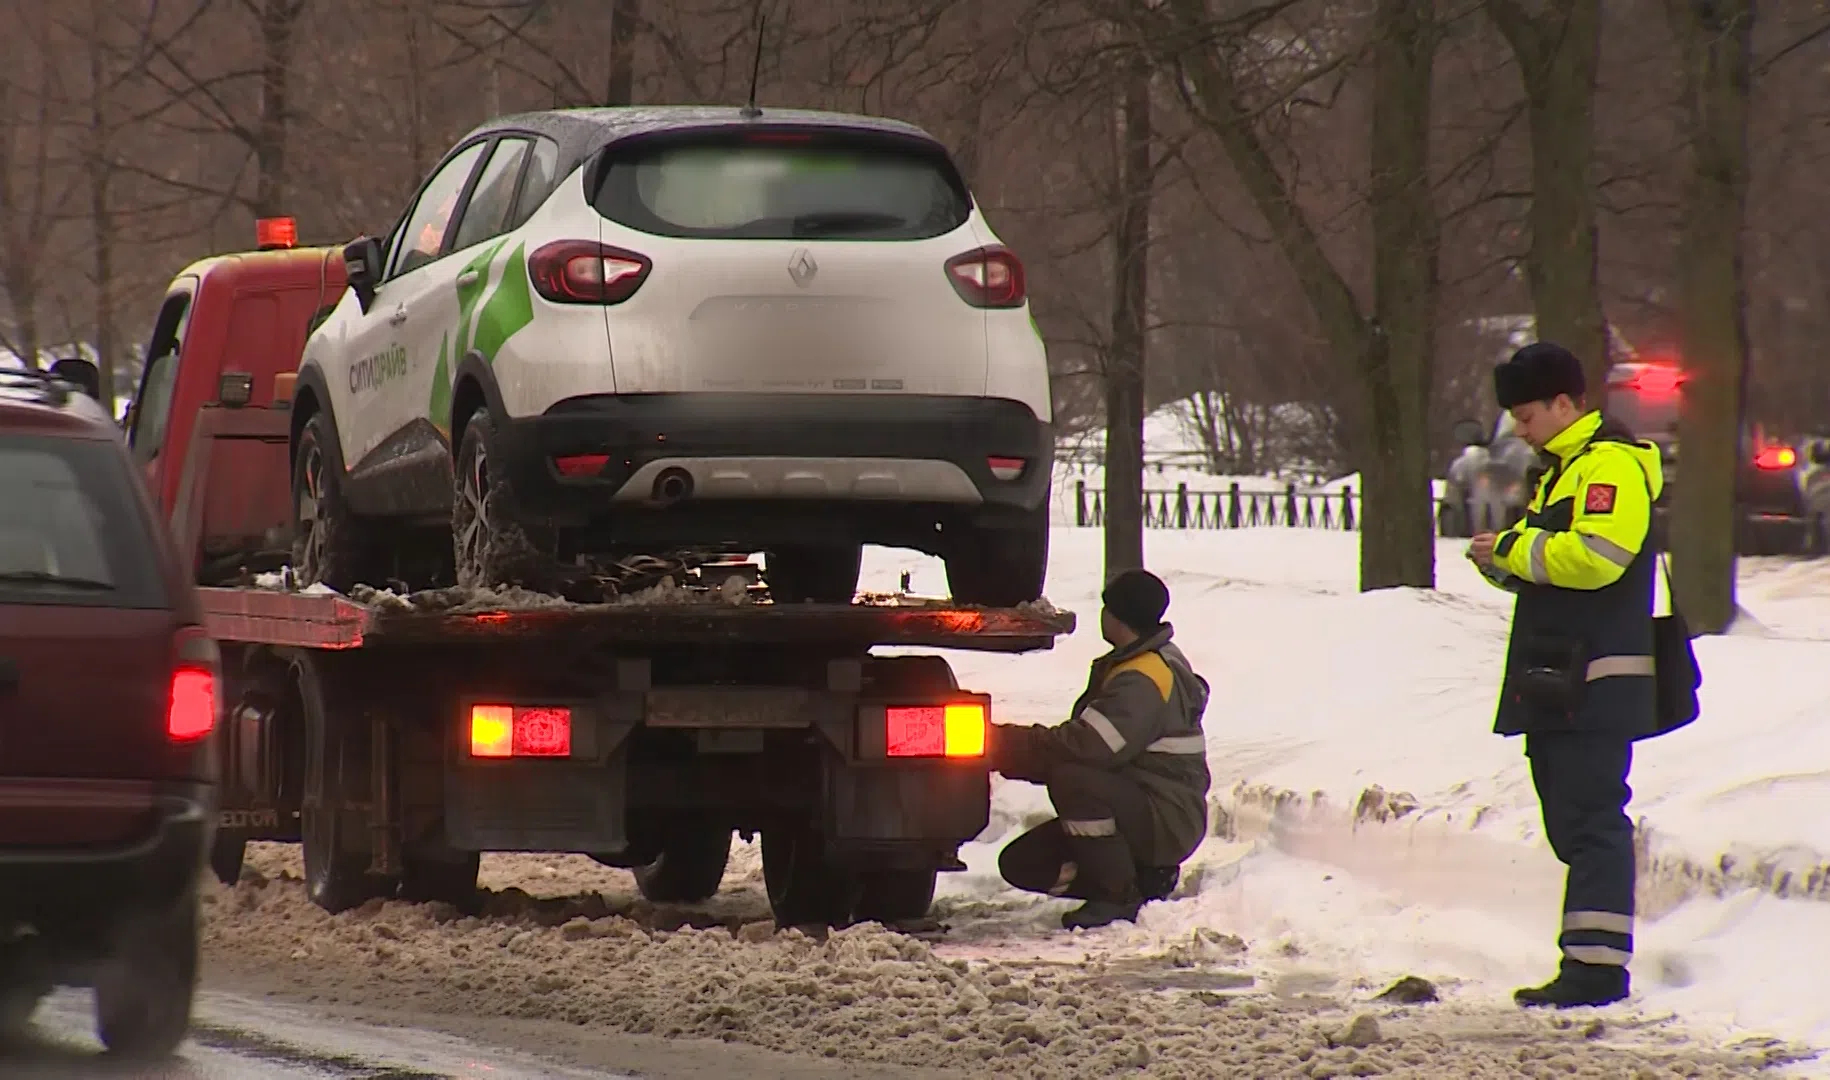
point(1368, 823)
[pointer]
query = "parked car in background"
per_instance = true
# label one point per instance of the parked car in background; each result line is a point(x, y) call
point(108, 708)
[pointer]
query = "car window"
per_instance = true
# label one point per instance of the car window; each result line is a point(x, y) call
point(487, 213)
point(537, 183)
point(838, 188)
point(71, 531)
point(422, 235)
point(152, 406)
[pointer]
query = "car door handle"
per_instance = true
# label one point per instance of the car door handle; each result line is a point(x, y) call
point(399, 316)
point(468, 277)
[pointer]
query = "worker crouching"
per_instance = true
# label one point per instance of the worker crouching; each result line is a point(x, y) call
point(1127, 774)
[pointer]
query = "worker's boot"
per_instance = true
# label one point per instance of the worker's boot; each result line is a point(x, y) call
point(1107, 878)
point(1157, 882)
point(1578, 985)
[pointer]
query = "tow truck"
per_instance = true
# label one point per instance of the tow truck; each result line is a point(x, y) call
point(398, 737)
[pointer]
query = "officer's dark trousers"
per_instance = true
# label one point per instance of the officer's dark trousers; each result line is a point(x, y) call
point(1086, 852)
point(1582, 785)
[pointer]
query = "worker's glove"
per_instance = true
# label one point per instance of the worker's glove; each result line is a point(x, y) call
point(1016, 753)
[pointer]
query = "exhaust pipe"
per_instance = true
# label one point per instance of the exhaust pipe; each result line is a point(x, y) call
point(672, 485)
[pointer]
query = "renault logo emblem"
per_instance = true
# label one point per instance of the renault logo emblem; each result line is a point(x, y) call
point(802, 267)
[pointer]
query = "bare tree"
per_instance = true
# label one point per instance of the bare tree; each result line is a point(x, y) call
point(1125, 360)
point(34, 194)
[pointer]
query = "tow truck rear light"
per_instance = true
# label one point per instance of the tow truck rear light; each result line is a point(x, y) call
point(988, 277)
point(586, 272)
point(190, 710)
point(576, 465)
point(504, 731)
point(917, 731)
point(1776, 457)
point(1006, 468)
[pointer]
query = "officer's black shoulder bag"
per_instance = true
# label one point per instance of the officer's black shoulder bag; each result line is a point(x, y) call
point(1674, 661)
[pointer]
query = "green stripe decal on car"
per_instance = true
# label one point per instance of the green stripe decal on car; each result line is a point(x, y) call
point(509, 308)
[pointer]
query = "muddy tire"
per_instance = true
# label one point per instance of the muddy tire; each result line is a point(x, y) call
point(491, 545)
point(330, 545)
point(806, 887)
point(822, 575)
point(337, 755)
point(895, 896)
point(1001, 567)
point(690, 868)
point(449, 879)
point(143, 992)
point(226, 857)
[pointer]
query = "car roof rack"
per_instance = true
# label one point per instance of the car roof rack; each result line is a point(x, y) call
point(36, 387)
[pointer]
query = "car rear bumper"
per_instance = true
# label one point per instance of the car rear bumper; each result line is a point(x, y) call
point(70, 885)
point(875, 453)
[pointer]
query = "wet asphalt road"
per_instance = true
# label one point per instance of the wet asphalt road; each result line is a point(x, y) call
point(234, 1038)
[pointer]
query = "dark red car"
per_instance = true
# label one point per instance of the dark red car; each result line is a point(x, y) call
point(108, 708)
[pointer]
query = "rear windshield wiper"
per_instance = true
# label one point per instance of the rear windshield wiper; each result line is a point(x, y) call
point(42, 577)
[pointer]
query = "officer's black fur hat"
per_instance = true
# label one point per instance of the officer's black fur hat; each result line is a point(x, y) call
point(1538, 372)
point(1138, 599)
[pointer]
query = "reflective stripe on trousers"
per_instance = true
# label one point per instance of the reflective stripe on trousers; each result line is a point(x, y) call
point(1597, 937)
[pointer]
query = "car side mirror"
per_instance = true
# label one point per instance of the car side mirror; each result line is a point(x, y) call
point(1469, 433)
point(79, 373)
point(362, 268)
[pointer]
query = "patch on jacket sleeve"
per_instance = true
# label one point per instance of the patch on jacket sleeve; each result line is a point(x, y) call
point(1599, 499)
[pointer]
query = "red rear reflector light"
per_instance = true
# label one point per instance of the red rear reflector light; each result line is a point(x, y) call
point(1776, 457)
point(191, 713)
point(935, 730)
point(988, 277)
point(575, 465)
point(586, 272)
point(1006, 468)
point(500, 731)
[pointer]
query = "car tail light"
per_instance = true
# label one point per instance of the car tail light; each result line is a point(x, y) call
point(191, 704)
point(1776, 457)
point(956, 730)
point(576, 465)
point(501, 731)
point(1657, 381)
point(1006, 468)
point(586, 272)
point(989, 277)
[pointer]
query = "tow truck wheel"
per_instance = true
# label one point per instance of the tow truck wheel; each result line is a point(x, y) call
point(896, 896)
point(1001, 567)
point(329, 546)
point(143, 993)
point(227, 854)
point(690, 867)
point(490, 546)
point(805, 886)
point(337, 874)
point(447, 880)
point(823, 575)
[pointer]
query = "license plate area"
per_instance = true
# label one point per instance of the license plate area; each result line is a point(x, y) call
point(734, 708)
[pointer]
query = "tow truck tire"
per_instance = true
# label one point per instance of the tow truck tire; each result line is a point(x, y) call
point(337, 874)
point(824, 575)
point(227, 853)
point(1001, 567)
point(896, 896)
point(806, 887)
point(330, 545)
point(447, 880)
point(143, 993)
point(491, 545)
point(690, 867)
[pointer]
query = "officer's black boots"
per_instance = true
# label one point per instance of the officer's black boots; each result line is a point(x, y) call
point(1108, 879)
point(1157, 882)
point(1096, 913)
point(1578, 985)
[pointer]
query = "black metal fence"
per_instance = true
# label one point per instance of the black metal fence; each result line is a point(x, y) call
point(1234, 508)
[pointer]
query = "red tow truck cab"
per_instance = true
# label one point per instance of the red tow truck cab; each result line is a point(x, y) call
point(239, 324)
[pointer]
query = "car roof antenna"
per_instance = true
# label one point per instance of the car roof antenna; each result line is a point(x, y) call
point(750, 111)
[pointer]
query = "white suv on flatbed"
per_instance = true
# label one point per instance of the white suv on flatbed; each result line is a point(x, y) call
point(602, 332)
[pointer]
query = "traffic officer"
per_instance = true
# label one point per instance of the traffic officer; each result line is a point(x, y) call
point(1127, 773)
point(1579, 674)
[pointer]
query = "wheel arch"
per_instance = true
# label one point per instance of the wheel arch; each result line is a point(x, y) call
point(473, 387)
point(310, 397)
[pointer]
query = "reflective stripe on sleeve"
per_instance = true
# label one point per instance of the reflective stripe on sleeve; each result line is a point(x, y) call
point(1607, 667)
point(1608, 549)
point(1598, 954)
point(1540, 571)
point(1098, 722)
point(1610, 921)
point(1178, 744)
point(1102, 827)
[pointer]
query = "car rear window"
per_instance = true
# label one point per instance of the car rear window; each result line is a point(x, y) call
point(1645, 415)
point(71, 532)
point(776, 187)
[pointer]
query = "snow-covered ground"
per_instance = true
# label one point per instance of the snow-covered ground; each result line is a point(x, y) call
point(1369, 823)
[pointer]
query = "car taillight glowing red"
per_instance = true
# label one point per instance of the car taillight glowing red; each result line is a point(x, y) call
point(500, 731)
point(956, 730)
point(191, 700)
point(988, 277)
point(1657, 381)
point(576, 465)
point(1776, 457)
point(586, 272)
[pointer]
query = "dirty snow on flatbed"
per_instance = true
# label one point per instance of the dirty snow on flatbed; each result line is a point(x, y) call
point(1366, 828)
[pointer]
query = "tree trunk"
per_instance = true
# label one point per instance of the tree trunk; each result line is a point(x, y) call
point(1557, 54)
point(1126, 358)
point(1398, 529)
point(101, 214)
point(1716, 42)
point(277, 20)
point(416, 89)
point(625, 18)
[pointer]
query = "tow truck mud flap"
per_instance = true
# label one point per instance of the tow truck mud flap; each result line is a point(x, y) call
point(573, 802)
point(945, 803)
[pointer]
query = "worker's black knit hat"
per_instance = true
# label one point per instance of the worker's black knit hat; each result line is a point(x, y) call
point(1138, 599)
point(1538, 372)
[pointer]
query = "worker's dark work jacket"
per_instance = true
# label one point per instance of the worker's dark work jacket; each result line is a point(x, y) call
point(1580, 656)
point(1139, 717)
